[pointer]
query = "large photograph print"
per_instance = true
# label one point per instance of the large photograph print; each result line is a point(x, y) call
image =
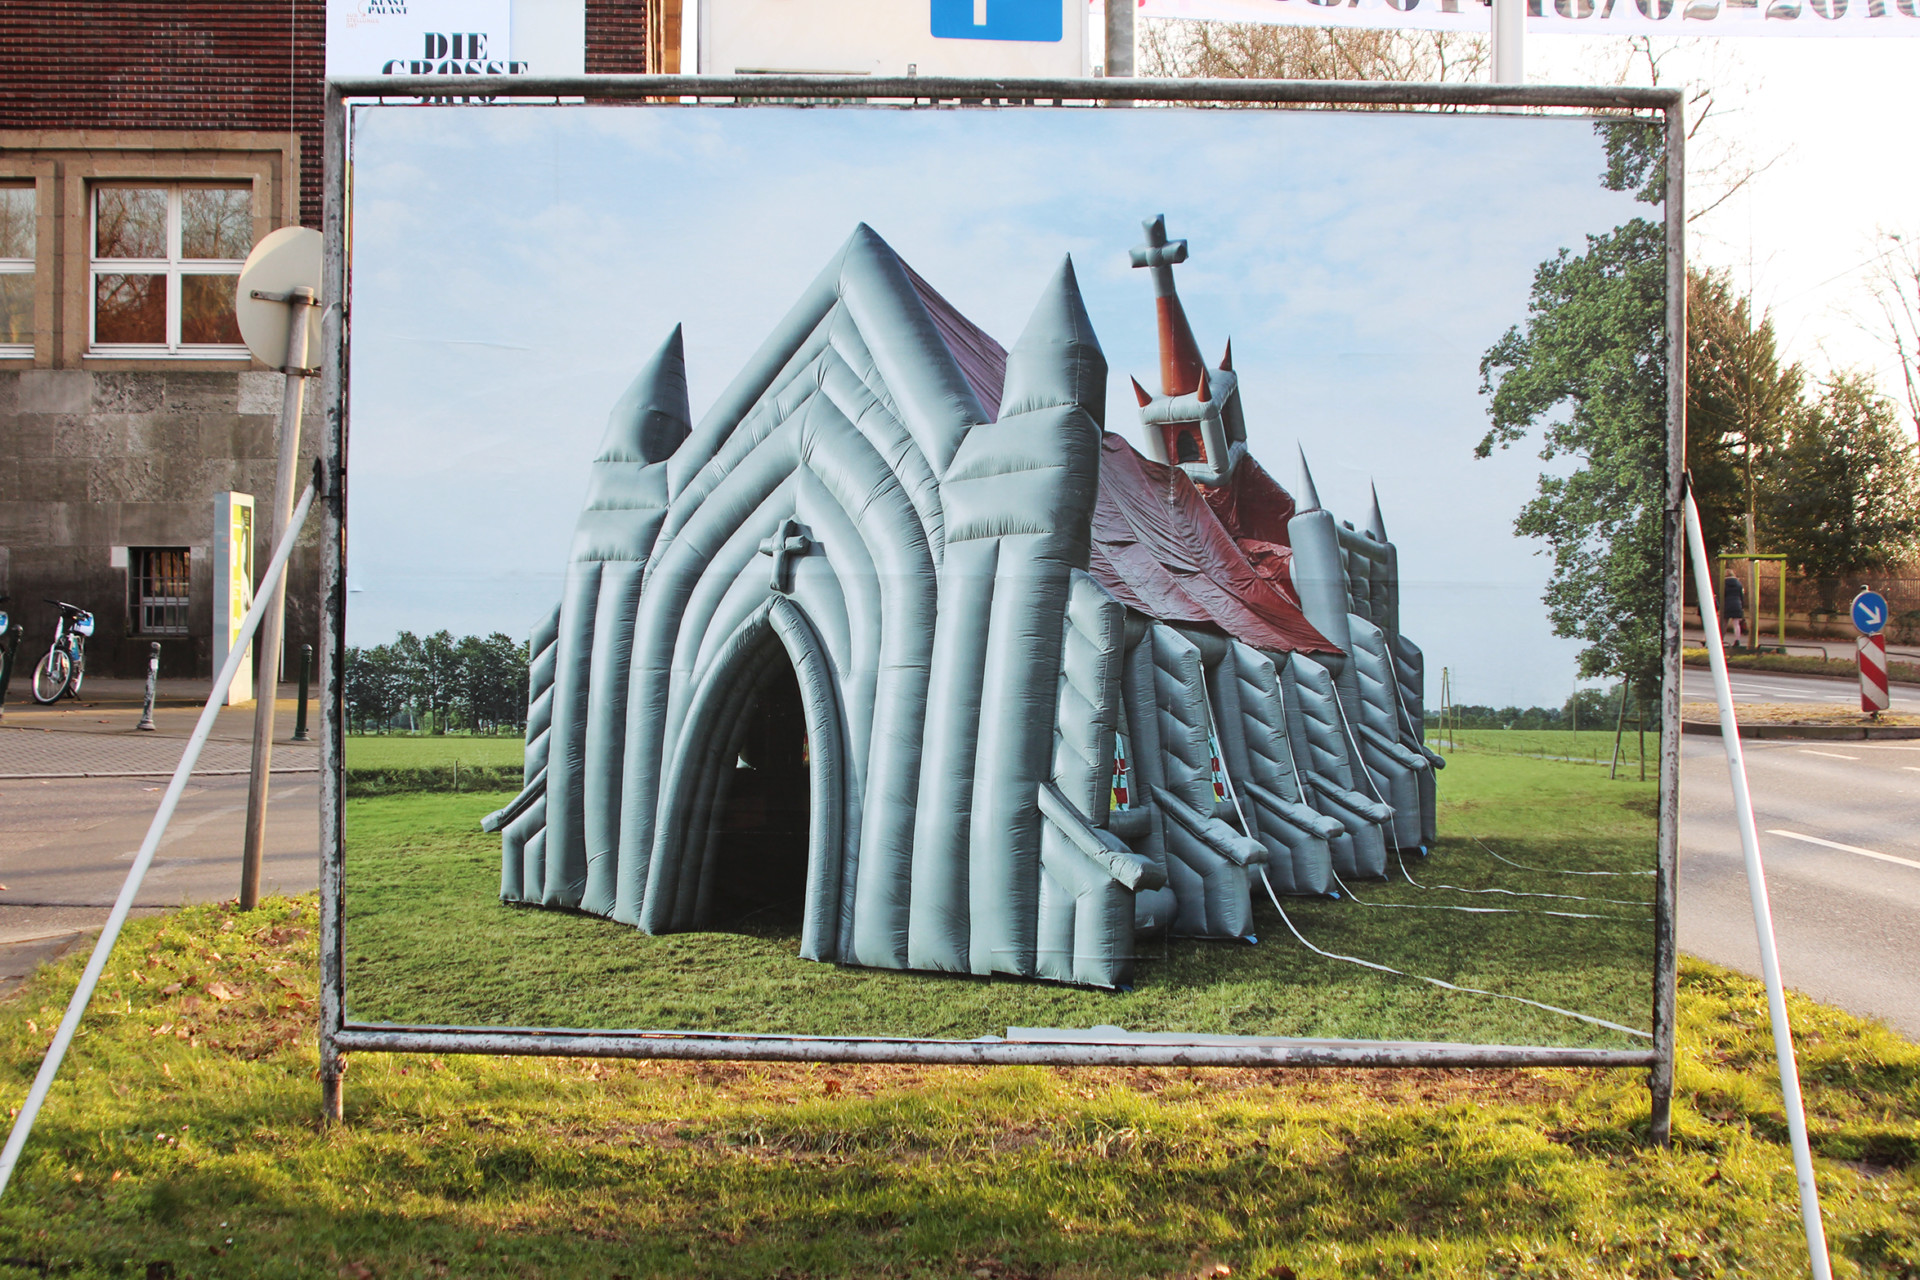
point(1040, 573)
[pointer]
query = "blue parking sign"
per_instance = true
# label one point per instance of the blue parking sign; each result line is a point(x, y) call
point(1035, 20)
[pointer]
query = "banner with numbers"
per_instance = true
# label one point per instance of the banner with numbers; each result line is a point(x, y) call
point(1573, 17)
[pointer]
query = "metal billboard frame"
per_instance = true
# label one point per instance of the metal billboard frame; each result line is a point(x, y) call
point(339, 1037)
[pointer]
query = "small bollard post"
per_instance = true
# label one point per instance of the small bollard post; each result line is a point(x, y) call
point(306, 677)
point(153, 678)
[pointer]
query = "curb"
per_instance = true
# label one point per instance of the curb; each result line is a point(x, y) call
point(1810, 732)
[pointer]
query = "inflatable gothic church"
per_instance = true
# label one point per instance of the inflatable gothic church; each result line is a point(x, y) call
point(901, 646)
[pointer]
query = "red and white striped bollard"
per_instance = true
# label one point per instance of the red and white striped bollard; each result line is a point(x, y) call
point(1873, 672)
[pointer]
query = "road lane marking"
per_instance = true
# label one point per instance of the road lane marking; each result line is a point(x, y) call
point(1845, 848)
point(1831, 755)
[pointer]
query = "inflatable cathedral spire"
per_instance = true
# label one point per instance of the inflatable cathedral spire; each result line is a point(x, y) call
point(888, 641)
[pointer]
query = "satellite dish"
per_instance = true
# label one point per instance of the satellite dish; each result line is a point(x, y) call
point(287, 259)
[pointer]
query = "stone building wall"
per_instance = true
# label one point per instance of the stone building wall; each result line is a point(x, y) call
point(92, 464)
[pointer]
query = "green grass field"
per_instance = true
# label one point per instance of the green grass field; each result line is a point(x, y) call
point(391, 764)
point(428, 941)
point(1578, 746)
point(181, 1140)
point(423, 751)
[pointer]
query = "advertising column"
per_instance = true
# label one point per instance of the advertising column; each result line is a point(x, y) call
point(232, 584)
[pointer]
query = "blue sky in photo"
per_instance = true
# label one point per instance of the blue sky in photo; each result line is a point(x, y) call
point(514, 266)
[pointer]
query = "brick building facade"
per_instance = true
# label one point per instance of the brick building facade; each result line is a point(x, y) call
point(144, 148)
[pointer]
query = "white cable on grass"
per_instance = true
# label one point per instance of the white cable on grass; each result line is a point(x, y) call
point(1552, 871)
point(77, 1007)
point(1478, 911)
point(1516, 893)
point(1447, 986)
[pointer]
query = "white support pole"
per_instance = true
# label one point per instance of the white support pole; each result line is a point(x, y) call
point(267, 686)
point(1509, 41)
point(1762, 911)
point(77, 1007)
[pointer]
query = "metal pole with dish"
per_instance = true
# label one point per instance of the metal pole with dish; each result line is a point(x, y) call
point(278, 305)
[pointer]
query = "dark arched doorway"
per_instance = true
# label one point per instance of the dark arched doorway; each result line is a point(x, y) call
point(752, 824)
point(754, 879)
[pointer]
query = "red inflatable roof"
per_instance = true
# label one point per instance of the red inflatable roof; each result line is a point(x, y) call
point(1215, 558)
point(1159, 547)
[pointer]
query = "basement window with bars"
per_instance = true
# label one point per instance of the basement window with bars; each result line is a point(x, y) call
point(166, 262)
point(17, 216)
point(159, 577)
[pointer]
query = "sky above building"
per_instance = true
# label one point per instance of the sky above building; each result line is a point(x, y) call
point(513, 268)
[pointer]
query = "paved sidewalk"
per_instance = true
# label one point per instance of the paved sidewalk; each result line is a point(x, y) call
point(97, 737)
point(19, 959)
point(60, 753)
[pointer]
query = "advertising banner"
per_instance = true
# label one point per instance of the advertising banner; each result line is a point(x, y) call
point(232, 583)
point(1819, 18)
point(1098, 587)
point(420, 38)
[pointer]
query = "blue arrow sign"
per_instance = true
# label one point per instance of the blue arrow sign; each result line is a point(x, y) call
point(1870, 613)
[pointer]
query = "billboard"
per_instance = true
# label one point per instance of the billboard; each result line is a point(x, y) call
point(1097, 597)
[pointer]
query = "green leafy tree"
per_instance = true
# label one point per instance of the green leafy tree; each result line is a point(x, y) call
point(492, 685)
point(1846, 494)
point(374, 688)
point(1587, 372)
point(1740, 400)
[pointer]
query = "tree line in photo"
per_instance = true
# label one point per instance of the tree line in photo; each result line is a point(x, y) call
point(1589, 708)
point(437, 684)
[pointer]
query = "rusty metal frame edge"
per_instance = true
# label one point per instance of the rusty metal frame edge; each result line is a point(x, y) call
point(338, 1038)
point(1667, 858)
point(908, 89)
point(334, 332)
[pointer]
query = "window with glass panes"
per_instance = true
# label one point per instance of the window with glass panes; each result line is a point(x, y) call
point(166, 261)
point(16, 270)
point(160, 588)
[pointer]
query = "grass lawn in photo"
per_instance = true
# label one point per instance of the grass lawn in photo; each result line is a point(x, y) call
point(390, 763)
point(428, 941)
point(182, 1139)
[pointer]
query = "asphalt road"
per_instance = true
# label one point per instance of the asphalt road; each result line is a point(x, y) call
point(1841, 851)
point(66, 840)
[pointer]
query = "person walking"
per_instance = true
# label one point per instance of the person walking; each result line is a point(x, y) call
point(1733, 608)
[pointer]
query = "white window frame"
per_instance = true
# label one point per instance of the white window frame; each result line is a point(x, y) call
point(173, 266)
point(20, 266)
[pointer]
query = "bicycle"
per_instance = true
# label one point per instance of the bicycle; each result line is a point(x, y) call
point(65, 664)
